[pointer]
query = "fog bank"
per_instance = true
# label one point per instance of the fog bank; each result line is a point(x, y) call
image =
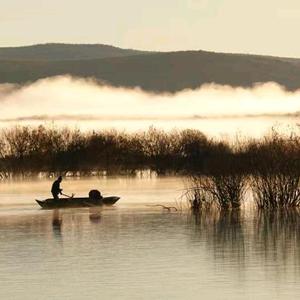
point(72, 99)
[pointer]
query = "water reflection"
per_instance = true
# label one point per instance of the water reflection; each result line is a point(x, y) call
point(239, 237)
point(223, 232)
point(57, 223)
point(95, 214)
point(240, 254)
point(277, 234)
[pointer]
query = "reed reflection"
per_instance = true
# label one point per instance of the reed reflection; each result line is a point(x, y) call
point(276, 233)
point(223, 232)
point(264, 237)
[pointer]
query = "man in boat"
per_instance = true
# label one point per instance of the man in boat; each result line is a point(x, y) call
point(56, 190)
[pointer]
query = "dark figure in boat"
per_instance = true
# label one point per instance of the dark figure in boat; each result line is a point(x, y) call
point(56, 190)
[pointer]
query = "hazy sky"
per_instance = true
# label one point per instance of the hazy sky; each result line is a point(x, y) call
point(248, 26)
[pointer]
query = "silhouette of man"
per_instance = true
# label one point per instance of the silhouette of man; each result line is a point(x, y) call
point(56, 190)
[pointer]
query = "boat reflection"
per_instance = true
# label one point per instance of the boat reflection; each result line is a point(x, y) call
point(95, 214)
point(57, 223)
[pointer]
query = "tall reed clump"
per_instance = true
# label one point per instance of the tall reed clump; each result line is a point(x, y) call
point(3, 172)
point(275, 170)
point(224, 184)
point(197, 196)
point(224, 191)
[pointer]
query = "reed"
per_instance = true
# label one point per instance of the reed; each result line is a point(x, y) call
point(224, 191)
point(224, 182)
point(218, 172)
point(27, 149)
point(275, 172)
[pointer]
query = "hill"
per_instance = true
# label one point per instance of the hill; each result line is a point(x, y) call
point(164, 72)
point(55, 52)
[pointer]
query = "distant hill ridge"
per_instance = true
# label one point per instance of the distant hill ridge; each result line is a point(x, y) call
point(60, 51)
point(151, 71)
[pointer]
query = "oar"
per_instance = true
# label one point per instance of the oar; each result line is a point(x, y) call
point(68, 195)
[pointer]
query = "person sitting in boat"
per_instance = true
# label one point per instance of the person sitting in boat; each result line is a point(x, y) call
point(95, 195)
point(56, 190)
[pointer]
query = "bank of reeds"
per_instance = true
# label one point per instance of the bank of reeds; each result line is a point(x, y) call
point(218, 172)
point(40, 149)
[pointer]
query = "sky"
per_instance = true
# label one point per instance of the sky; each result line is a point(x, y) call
point(268, 27)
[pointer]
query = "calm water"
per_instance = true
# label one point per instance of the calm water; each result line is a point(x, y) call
point(136, 251)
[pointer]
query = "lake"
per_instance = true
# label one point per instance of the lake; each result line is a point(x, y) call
point(136, 250)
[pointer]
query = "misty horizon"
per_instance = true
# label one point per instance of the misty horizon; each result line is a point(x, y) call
point(75, 100)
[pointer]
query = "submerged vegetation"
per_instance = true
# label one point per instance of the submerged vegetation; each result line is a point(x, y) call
point(218, 173)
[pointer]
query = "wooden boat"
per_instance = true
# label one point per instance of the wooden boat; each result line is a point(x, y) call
point(77, 202)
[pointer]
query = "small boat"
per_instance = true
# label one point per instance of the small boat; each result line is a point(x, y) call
point(76, 202)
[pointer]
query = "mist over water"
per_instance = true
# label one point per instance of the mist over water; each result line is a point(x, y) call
point(84, 103)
